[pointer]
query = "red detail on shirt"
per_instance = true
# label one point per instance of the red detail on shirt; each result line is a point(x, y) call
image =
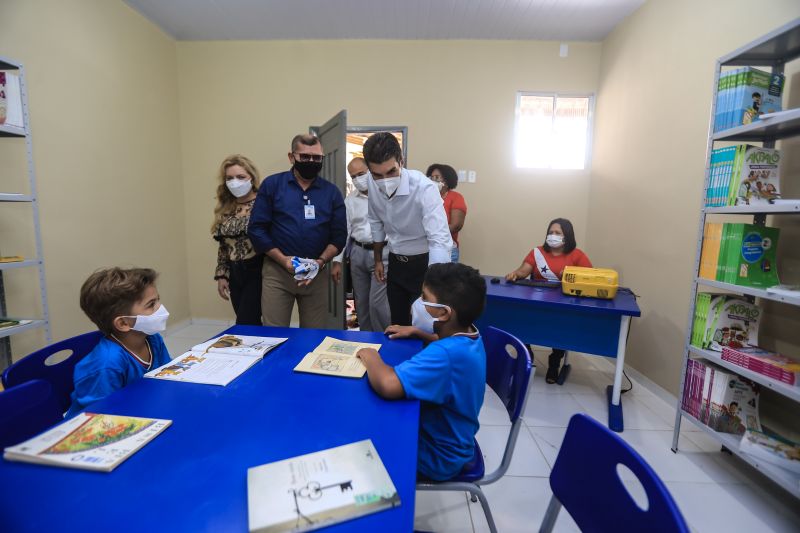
point(454, 200)
point(557, 262)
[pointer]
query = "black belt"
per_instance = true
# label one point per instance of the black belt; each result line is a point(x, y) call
point(410, 258)
point(365, 245)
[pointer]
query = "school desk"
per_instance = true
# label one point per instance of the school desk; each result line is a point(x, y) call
point(544, 316)
point(193, 476)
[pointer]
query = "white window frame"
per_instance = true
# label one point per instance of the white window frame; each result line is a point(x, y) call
point(555, 96)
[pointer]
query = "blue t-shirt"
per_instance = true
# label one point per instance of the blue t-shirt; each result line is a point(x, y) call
point(449, 377)
point(109, 367)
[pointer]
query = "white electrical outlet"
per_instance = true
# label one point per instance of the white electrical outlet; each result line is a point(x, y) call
point(471, 176)
point(462, 175)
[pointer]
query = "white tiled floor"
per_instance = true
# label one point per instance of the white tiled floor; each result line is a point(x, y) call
point(715, 491)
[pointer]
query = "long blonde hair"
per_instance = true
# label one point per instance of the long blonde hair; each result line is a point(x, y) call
point(226, 202)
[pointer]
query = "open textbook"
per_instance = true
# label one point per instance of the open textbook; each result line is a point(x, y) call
point(218, 361)
point(318, 489)
point(88, 441)
point(335, 357)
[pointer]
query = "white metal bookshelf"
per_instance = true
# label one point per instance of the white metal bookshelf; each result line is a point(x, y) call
point(7, 131)
point(773, 50)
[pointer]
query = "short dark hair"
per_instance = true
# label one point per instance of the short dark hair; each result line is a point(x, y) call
point(112, 292)
point(381, 147)
point(448, 173)
point(459, 286)
point(304, 138)
point(569, 235)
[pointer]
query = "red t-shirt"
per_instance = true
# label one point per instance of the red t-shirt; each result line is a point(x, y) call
point(454, 200)
point(557, 262)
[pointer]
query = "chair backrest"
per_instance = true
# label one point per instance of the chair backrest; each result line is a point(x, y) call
point(586, 482)
point(26, 410)
point(508, 369)
point(58, 374)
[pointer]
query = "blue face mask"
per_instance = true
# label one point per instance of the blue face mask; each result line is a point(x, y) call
point(421, 318)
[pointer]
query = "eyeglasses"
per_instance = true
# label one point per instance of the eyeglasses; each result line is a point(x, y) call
point(305, 158)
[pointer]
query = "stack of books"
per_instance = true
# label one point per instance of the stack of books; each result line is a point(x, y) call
point(722, 321)
point(744, 94)
point(770, 364)
point(719, 398)
point(741, 254)
point(743, 175)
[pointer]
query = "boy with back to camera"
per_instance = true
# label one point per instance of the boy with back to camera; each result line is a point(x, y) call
point(126, 307)
point(448, 375)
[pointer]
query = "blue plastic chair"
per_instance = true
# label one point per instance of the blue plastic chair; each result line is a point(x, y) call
point(26, 410)
point(585, 481)
point(508, 372)
point(58, 374)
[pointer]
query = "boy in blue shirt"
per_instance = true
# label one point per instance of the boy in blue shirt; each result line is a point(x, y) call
point(126, 307)
point(448, 376)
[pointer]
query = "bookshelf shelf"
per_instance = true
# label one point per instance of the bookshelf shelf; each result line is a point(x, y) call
point(774, 49)
point(784, 208)
point(13, 330)
point(23, 132)
point(781, 388)
point(785, 478)
point(750, 291)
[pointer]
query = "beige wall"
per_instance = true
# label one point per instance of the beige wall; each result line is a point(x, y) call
point(456, 97)
point(656, 79)
point(103, 97)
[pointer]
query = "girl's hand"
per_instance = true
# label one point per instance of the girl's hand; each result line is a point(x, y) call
point(224, 289)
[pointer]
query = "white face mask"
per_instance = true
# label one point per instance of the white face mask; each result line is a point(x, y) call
point(361, 182)
point(439, 184)
point(239, 187)
point(388, 185)
point(421, 318)
point(151, 324)
point(555, 241)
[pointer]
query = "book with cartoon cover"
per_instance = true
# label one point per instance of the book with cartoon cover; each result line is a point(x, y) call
point(757, 180)
point(88, 441)
point(773, 449)
point(218, 361)
point(335, 357)
point(318, 489)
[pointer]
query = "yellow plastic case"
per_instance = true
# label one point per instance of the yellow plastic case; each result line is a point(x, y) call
point(594, 282)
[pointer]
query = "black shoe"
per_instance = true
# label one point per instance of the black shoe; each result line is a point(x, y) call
point(554, 365)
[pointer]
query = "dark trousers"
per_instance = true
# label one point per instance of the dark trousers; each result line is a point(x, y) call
point(404, 285)
point(245, 286)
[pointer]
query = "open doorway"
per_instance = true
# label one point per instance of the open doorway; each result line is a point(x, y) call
point(358, 135)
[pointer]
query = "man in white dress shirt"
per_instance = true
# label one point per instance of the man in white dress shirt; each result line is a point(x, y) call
point(372, 306)
point(405, 209)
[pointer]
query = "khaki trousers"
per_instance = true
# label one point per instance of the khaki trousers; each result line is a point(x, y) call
point(279, 291)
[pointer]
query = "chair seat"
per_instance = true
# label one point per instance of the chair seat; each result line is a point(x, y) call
point(475, 469)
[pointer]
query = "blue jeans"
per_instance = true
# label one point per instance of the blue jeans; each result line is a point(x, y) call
point(454, 254)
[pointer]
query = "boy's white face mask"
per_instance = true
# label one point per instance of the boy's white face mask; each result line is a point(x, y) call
point(151, 324)
point(421, 318)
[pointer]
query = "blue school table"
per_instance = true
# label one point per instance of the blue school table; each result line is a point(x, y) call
point(544, 316)
point(193, 476)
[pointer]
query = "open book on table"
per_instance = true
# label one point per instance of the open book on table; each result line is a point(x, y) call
point(335, 357)
point(318, 489)
point(218, 361)
point(88, 441)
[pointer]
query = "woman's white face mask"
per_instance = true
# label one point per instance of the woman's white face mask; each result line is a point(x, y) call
point(239, 187)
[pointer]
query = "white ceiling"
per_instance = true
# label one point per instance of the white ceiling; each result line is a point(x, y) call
point(558, 20)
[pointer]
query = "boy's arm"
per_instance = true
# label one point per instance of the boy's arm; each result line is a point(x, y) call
point(407, 332)
point(382, 377)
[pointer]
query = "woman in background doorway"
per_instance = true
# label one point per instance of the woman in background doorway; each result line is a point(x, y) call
point(238, 272)
point(455, 207)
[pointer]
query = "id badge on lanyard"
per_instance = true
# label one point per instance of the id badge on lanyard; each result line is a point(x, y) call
point(308, 209)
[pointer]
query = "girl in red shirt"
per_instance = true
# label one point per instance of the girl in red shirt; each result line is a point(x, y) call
point(547, 263)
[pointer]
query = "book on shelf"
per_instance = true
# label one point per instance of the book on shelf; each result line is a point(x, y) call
point(747, 254)
point(335, 357)
point(770, 364)
point(319, 489)
point(11, 258)
point(218, 361)
point(744, 95)
point(10, 323)
point(88, 441)
point(722, 320)
point(772, 449)
point(10, 99)
point(719, 398)
point(743, 175)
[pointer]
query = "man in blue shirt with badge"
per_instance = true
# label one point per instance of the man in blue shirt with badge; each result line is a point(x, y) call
point(299, 222)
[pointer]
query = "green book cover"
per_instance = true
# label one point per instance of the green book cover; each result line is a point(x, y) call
point(756, 254)
point(734, 250)
point(722, 249)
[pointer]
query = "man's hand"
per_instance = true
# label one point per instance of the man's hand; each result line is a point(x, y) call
point(287, 264)
point(224, 289)
point(336, 271)
point(402, 332)
point(379, 273)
